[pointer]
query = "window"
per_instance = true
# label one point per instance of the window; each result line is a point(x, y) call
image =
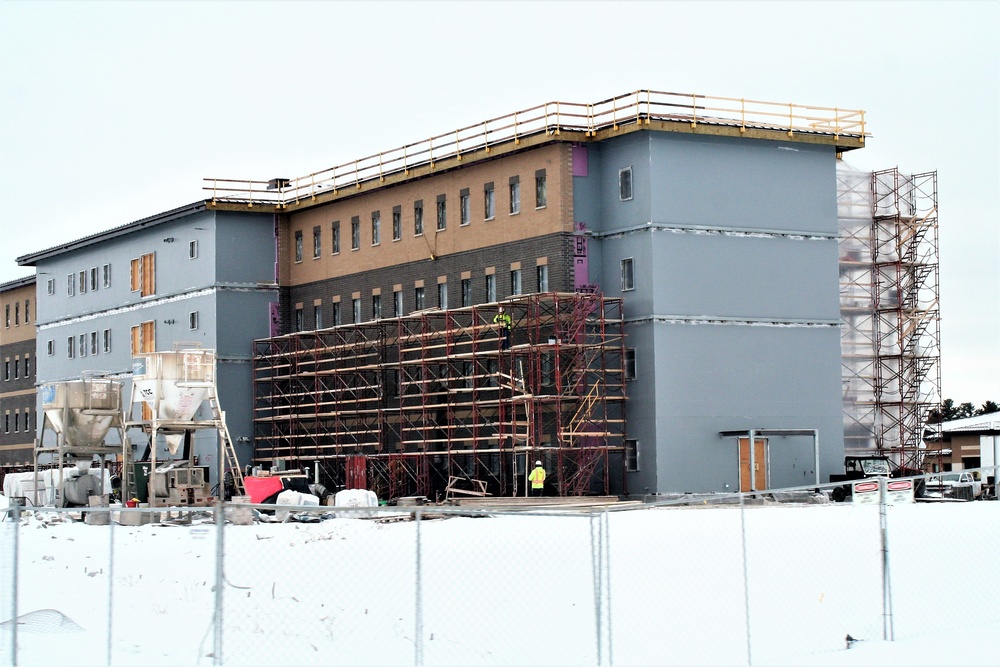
point(418, 298)
point(543, 277)
point(50, 348)
point(442, 213)
point(300, 324)
point(69, 284)
point(377, 306)
point(6, 370)
point(193, 320)
point(70, 347)
point(515, 195)
point(27, 308)
point(335, 231)
point(6, 422)
point(632, 455)
point(6, 317)
point(318, 316)
point(83, 345)
point(466, 292)
point(17, 422)
point(17, 367)
point(376, 228)
point(298, 246)
point(464, 207)
point(625, 183)
point(107, 340)
point(397, 223)
point(336, 313)
point(397, 303)
point(491, 288)
point(106, 275)
point(143, 275)
point(515, 281)
point(192, 249)
point(355, 233)
point(443, 296)
point(17, 314)
point(418, 218)
point(628, 275)
point(93, 279)
point(356, 310)
point(630, 363)
point(93, 343)
point(541, 198)
point(143, 338)
point(51, 285)
point(317, 243)
point(27, 367)
point(489, 201)
point(83, 282)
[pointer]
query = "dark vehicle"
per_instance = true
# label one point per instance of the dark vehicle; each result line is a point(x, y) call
point(866, 467)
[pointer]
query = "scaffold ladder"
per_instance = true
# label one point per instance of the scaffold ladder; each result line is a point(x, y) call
point(231, 462)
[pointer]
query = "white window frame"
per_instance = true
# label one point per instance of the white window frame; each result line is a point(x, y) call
point(93, 343)
point(83, 345)
point(193, 320)
point(193, 249)
point(397, 303)
point(464, 208)
point(628, 274)
point(107, 340)
point(514, 188)
point(106, 275)
point(335, 237)
point(317, 242)
point(356, 233)
point(298, 246)
point(70, 284)
point(93, 279)
point(356, 310)
point(625, 184)
point(418, 218)
point(542, 275)
point(376, 227)
point(443, 296)
point(489, 202)
point(50, 348)
point(51, 286)
point(491, 287)
point(515, 282)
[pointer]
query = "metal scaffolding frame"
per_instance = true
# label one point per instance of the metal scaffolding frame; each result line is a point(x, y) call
point(889, 296)
point(410, 405)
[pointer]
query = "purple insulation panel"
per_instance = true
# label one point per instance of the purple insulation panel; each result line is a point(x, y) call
point(581, 268)
point(275, 319)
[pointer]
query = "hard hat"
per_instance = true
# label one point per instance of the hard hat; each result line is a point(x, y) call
point(538, 463)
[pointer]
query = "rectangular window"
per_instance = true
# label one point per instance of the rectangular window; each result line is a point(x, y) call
point(418, 218)
point(93, 279)
point(466, 292)
point(317, 242)
point(355, 233)
point(356, 310)
point(632, 455)
point(442, 213)
point(300, 323)
point(397, 223)
point(107, 340)
point(51, 286)
point(6, 422)
point(192, 249)
point(27, 366)
point(70, 281)
point(143, 275)
point(106, 275)
point(464, 207)
point(82, 287)
point(491, 288)
point(17, 314)
point(318, 316)
point(541, 198)
point(630, 363)
point(515, 281)
point(443, 296)
point(50, 348)
point(336, 313)
point(143, 338)
point(83, 345)
point(418, 298)
point(515, 195)
point(298, 246)
point(193, 320)
point(397, 304)
point(625, 183)
point(6, 370)
point(628, 275)
point(376, 228)
point(489, 201)
point(27, 308)
point(93, 343)
point(17, 368)
point(543, 277)
point(70, 347)
point(335, 230)
point(377, 306)
point(6, 315)
point(17, 422)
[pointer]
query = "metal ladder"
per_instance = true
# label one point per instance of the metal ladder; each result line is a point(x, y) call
point(232, 463)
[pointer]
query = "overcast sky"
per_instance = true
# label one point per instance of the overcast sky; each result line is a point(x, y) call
point(114, 111)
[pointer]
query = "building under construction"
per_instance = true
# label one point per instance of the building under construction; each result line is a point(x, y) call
point(445, 402)
point(890, 338)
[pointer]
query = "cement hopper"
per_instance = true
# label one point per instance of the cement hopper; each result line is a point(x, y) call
point(82, 411)
point(174, 385)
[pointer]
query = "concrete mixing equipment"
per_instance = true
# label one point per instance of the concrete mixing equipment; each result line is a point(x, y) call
point(81, 413)
point(170, 388)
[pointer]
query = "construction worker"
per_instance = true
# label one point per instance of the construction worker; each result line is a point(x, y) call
point(503, 320)
point(537, 479)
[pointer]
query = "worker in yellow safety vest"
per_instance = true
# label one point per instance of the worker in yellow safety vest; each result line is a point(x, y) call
point(503, 321)
point(537, 479)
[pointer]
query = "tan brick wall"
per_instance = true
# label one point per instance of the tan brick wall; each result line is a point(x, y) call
point(20, 329)
point(556, 217)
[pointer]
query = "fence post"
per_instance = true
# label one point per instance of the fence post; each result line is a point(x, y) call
point(746, 574)
point(111, 578)
point(887, 624)
point(14, 513)
point(220, 578)
point(418, 639)
point(599, 564)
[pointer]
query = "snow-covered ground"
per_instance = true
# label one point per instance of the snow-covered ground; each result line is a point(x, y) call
point(641, 587)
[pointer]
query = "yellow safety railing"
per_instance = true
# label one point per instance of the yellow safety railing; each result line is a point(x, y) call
point(550, 118)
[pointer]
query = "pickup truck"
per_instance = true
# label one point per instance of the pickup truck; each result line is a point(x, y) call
point(960, 485)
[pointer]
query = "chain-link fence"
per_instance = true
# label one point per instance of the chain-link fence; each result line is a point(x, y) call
point(720, 580)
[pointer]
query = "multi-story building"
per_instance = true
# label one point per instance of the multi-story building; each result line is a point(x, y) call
point(17, 389)
point(186, 276)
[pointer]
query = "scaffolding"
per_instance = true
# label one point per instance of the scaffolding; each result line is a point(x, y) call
point(416, 404)
point(889, 299)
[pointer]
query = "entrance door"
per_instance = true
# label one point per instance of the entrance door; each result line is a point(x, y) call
point(760, 464)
